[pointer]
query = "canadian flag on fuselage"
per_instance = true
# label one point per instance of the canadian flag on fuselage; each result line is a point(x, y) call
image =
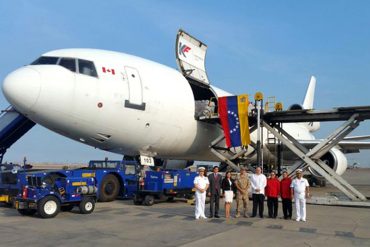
point(106, 70)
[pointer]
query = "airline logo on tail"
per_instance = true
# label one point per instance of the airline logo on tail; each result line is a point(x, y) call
point(183, 49)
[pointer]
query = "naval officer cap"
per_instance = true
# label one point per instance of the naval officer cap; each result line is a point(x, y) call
point(201, 168)
point(299, 170)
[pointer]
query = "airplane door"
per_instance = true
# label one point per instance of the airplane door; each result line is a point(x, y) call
point(135, 89)
point(191, 58)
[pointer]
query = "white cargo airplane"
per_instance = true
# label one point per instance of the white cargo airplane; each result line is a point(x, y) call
point(132, 106)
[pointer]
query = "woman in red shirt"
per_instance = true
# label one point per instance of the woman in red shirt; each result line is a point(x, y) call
point(286, 196)
point(272, 193)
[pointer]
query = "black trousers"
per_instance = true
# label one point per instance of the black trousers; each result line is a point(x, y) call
point(272, 204)
point(287, 208)
point(258, 201)
point(214, 204)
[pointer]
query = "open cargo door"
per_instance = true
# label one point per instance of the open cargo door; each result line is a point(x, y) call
point(190, 56)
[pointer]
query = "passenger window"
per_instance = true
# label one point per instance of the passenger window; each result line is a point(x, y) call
point(68, 63)
point(45, 60)
point(87, 68)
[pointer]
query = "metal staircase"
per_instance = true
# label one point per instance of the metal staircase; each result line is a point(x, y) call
point(310, 157)
point(13, 126)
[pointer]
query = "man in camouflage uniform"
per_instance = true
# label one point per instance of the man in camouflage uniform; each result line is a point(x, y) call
point(242, 184)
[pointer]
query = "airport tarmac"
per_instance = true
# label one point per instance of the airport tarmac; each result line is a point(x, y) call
point(120, 223)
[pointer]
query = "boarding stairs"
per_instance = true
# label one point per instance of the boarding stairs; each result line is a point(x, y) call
point(13, 126)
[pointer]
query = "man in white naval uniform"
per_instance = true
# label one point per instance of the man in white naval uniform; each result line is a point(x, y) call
point(201, 184)
point(300, 192)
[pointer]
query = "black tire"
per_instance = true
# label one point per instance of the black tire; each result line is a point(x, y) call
point(48, 207)
point(149, 200)
point(322, 182)
point(87, 205)
point(138, 200)
point(170, 199)
point(317, 182)
point(27, 212)
point(109, 188)
point(67, 208)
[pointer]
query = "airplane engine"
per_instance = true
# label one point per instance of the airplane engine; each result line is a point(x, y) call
point(311, 126)
point(295, 107)
point(335, 159)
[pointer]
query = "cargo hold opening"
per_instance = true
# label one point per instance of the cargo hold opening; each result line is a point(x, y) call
point(205, 100)
point(190, 58)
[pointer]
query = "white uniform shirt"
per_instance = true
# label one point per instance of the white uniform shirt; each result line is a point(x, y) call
point(258, 182)
point(201, 181)
point(299, 187)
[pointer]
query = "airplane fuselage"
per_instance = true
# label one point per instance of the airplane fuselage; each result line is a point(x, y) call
point(128, 105)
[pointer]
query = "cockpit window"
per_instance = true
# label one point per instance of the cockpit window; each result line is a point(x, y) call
point(45, 60)
point(68, 63)
point(87, 68)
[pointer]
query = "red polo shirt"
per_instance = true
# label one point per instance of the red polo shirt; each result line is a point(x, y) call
point(285, 188)
point(273, 187)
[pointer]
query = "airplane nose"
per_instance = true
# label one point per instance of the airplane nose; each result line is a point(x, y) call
point(22, 88)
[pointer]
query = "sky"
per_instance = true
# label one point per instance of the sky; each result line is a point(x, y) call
point(268, 46)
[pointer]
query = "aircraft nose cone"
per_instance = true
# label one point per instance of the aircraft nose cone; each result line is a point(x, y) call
point(22, 88)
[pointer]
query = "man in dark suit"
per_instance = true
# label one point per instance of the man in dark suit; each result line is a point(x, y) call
point(214, 192)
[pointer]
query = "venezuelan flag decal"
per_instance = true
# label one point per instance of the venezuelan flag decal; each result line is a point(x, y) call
point(233, 111)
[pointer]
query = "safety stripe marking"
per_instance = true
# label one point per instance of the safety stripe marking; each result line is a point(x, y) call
point(344, 234)
point(244, 223)
point(308, 230)
point(275, 227)
point(166, 216)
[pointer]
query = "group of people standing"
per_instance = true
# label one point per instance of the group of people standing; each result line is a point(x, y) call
point(216, 186)
point(271, 187)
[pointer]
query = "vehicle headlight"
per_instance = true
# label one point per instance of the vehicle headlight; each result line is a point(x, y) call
point(43, 185)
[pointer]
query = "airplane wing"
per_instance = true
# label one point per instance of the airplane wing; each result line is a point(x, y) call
point(353, 138)
point(346, 146)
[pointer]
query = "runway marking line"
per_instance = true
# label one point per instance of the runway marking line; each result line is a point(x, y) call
point(280, 227)
point(344, 234)
point(308, 230)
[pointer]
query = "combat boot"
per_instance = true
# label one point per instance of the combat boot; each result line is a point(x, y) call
point(245, 214)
